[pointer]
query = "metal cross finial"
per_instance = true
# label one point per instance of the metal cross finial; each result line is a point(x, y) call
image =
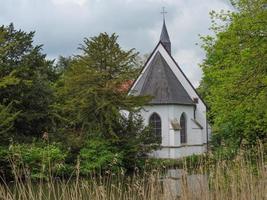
point(163, 12)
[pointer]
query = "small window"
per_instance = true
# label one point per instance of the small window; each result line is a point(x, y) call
point(183, 136)
point(155, 123)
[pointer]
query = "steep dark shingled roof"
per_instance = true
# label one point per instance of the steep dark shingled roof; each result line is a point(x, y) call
point(160, 82)
point(164, 38)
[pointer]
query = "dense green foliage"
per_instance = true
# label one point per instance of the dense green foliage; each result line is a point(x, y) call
point(7, 119)
point(235, 75)
point(81, 103)
point(98, 155)
point(25, 82)
point(36, 160)
point(89, 90)
point(198, 179)
point(93, 103)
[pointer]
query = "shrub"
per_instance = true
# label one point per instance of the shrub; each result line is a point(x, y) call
point(5, 171)
point(98, 154)
point(38, 160)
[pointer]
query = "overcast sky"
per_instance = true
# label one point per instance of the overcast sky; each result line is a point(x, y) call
point(61, 25)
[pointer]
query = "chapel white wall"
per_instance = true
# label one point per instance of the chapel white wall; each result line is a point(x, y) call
point(171, 146)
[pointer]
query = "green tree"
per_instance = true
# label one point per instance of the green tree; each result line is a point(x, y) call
point(93, 98)
point(235, 74)
point(63, 63)
point(7, 119)
point(92, 88)
point(26, 76)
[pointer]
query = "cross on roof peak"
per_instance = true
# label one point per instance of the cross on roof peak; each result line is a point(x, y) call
point(163, 12)
point(164, 36)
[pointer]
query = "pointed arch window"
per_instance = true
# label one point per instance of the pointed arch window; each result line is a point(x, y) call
point(155, 123)
point(183, 134)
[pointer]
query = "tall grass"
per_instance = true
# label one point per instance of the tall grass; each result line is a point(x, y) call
point(237, 179)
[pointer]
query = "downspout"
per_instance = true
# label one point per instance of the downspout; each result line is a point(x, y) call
point(169, 150)
point(195, 107)
point(207, 132)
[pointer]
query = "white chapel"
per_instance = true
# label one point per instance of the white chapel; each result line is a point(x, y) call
point(176, 113)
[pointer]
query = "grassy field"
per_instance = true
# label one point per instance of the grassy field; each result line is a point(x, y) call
point(237, 179)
